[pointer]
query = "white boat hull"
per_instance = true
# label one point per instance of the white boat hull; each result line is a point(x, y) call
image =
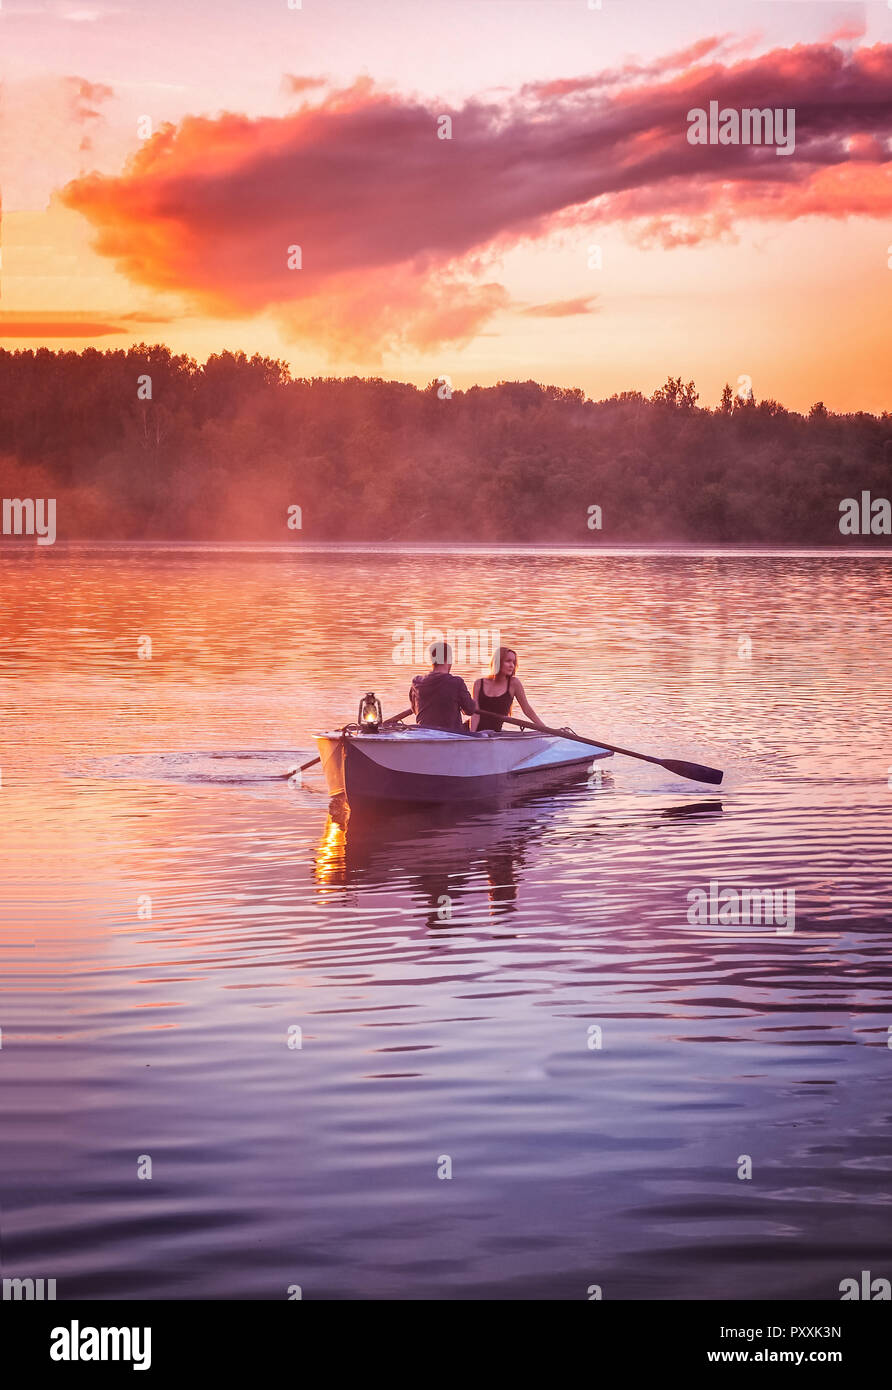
point(430, 765)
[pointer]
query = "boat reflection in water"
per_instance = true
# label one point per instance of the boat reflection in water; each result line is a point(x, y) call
point(438, 852)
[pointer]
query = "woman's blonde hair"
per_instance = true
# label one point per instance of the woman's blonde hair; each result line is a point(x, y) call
point(495, 666)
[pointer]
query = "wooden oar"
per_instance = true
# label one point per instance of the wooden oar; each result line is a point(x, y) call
point(394, 719)
point(697, 772)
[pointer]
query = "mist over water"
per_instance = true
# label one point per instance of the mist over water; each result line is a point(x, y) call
point(425, 1036)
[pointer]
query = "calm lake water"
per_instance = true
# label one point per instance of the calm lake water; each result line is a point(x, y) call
point(133, 787)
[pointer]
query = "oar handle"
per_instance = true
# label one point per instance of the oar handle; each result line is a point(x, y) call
point(696, 772)
point(395, 718)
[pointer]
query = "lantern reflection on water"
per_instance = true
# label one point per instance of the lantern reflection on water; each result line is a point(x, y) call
point(329, 867)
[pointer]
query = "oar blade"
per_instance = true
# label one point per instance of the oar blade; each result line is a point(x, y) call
point(695, 772)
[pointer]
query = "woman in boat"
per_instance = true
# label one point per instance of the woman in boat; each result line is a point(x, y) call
point(496, 692)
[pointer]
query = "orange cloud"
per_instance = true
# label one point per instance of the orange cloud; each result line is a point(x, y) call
point(395, 225)
point(561, 308)
point(293, 85)
point(38, 325)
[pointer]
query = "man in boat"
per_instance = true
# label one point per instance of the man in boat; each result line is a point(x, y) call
point(439, 698)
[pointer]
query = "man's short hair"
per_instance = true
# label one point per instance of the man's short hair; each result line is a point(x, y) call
point(440, 654)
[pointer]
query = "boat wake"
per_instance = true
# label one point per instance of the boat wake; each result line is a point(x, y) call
point(217, 767)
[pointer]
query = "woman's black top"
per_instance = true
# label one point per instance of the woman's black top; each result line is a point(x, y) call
point(495, 705)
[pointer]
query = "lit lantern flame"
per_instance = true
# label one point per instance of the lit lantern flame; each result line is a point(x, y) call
point(370, 715)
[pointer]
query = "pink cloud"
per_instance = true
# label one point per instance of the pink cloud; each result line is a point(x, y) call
point(848, 31)
point(48, 124)
point(396, 226)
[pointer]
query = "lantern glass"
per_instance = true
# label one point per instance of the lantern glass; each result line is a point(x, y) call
point(370, 715)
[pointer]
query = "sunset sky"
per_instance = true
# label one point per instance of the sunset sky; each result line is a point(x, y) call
point(469, 257)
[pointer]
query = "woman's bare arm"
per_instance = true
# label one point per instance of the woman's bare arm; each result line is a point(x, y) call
point(520, 696)
point(475, 718)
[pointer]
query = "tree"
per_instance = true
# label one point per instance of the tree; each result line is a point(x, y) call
point(677, 394)
point(223, 450)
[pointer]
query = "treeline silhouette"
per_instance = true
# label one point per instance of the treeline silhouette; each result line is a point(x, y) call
point(145, 444)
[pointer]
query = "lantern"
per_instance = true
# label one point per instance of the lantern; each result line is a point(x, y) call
point(370, 715)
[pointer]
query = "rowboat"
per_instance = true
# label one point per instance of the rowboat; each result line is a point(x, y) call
point(411, 764)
